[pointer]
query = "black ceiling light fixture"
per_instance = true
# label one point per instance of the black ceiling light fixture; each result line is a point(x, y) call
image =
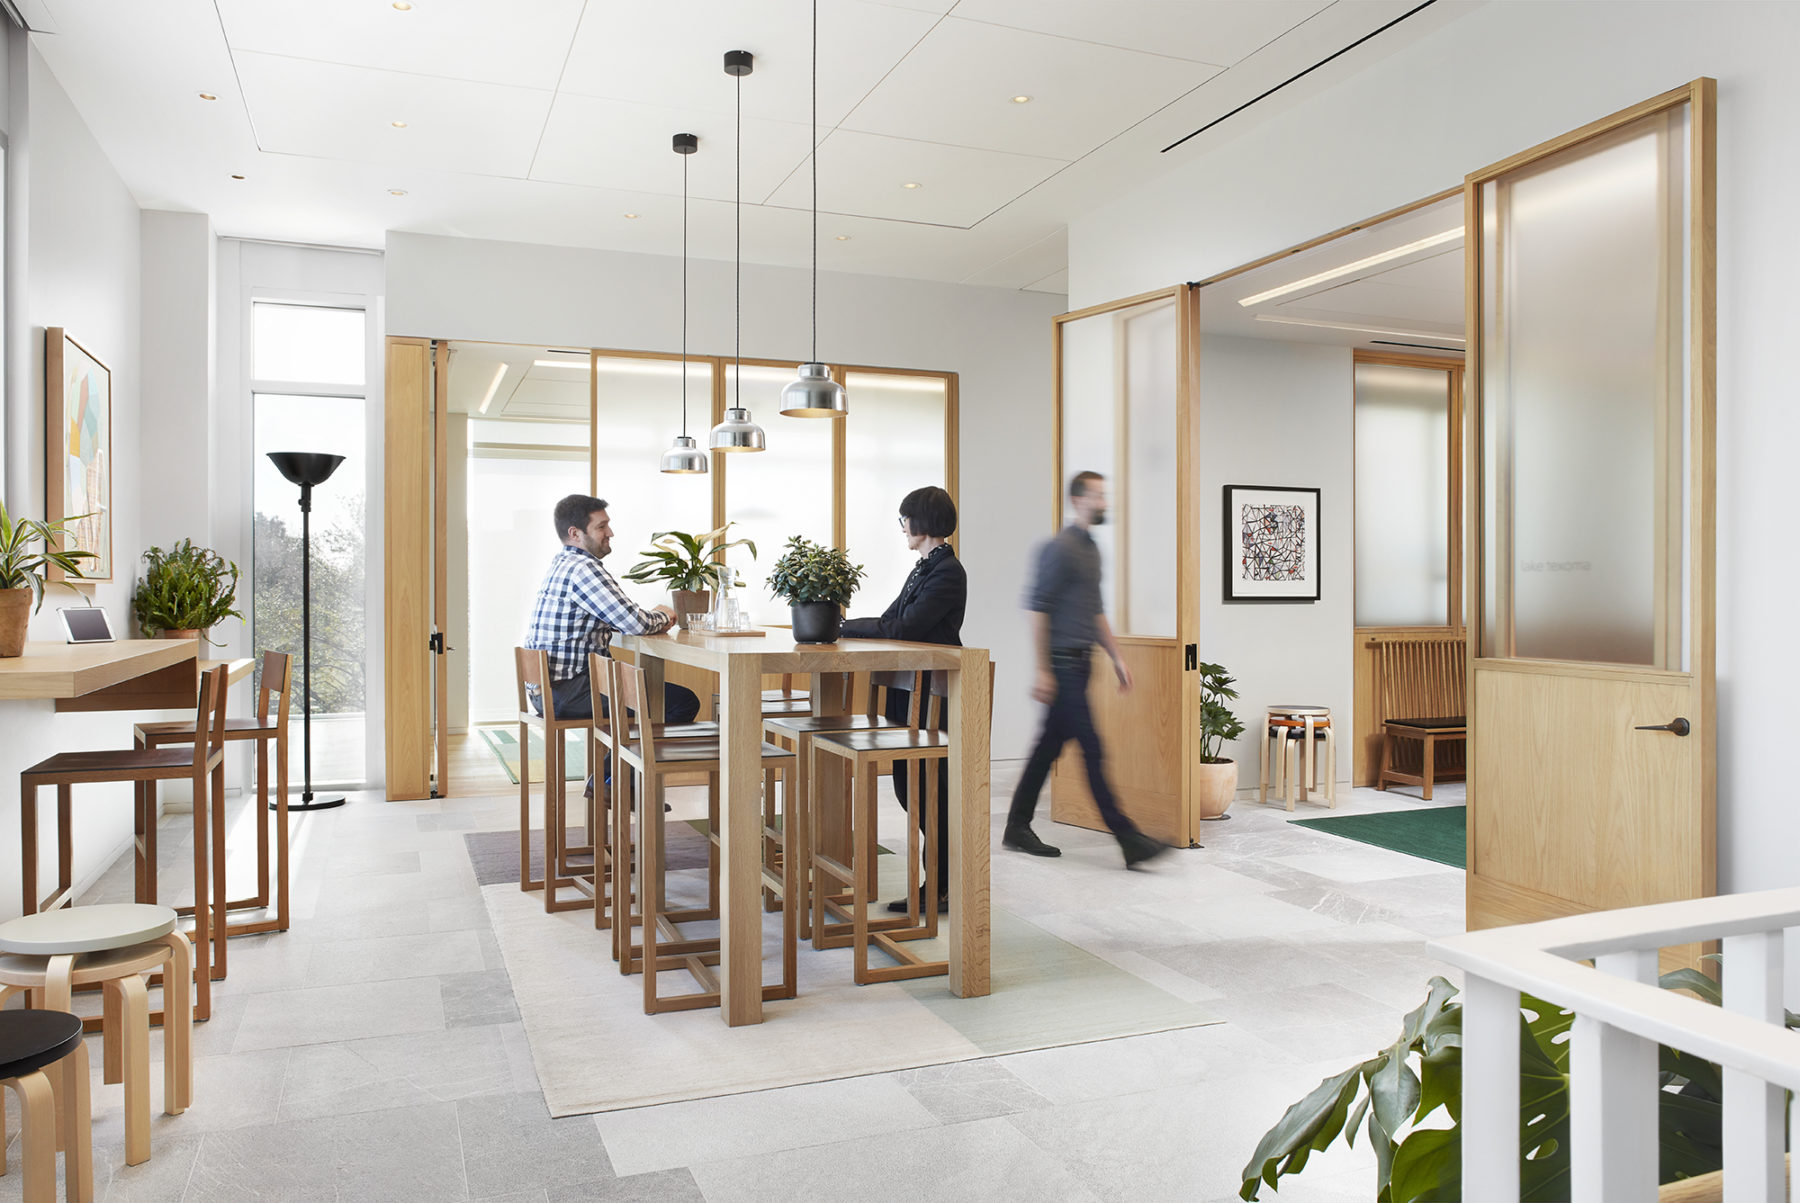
point(814, 394)
point(684, 457)
point(737, 432)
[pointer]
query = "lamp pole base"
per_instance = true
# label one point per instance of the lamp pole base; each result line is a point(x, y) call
point(308, 802)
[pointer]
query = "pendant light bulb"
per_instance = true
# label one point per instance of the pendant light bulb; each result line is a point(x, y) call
point(684, 457)
point(814, 394)
point(737, 432)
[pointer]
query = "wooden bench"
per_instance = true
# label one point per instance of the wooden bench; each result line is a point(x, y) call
point(1419, 688)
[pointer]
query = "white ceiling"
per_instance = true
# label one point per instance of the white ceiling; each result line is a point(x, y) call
point(1411, 304)
point(549, 120)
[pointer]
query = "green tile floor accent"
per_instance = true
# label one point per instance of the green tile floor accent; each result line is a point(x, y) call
point(1437, 833)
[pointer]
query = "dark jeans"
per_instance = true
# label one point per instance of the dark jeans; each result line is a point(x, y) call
point(1068, 718)
point(573, 700)
point(897, 702)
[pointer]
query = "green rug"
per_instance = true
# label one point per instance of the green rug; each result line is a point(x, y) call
point(504, 743)
point(1438, 833)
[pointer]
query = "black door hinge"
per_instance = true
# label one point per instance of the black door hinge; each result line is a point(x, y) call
point(436, 643)
point(1193, 657)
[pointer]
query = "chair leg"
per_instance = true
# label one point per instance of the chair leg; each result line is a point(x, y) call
point(112, 1056)
point(37, 1121)
point(1387, 753)
point(1331, 768)
point(1290, 767)
point(555, 796)
point(28, 845)
point(862, 893)
point(262, 822)
point(801, 827)
point(650, 884)
point(1262, 769)
point(793, 868)
point(203, 944)
point(524, 811)
point(178, 1025)
point(65, 845)
point(933, 804)
point(221, 932)
point(283, 871)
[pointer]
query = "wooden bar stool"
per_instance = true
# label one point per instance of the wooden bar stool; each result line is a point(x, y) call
point(533, 668)
point(263, 729)
point(203, 765)
point(868, 753)
point(32, 1042)
point(647, 761)
point(113, 947)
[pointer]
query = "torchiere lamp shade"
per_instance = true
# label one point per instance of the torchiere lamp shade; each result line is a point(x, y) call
point(305, 468)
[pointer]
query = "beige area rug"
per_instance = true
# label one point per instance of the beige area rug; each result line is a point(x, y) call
point(596, 1050)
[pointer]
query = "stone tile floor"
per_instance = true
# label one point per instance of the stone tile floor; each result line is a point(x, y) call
point(374, 1052)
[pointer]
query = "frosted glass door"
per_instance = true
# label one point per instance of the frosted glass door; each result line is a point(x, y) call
point(894, 442)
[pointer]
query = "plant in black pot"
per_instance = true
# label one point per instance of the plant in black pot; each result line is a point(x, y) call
point(184, 591)
point(818, 582)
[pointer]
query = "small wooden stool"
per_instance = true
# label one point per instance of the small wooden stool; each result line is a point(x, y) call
point(113, 946)
point(1290, 754)
point(30, 1043)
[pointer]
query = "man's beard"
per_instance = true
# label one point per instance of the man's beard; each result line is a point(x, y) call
point(1098, 519)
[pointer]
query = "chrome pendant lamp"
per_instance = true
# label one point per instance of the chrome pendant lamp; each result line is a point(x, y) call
point(814, 394)
point(737, 432)
point(684, 457)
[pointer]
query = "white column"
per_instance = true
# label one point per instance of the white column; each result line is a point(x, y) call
point(1755, 1168)
point(1612, 1099)
point(1490, 1110)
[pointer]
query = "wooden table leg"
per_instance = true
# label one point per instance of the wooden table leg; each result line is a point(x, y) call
point(740, 814)
point(970, 929)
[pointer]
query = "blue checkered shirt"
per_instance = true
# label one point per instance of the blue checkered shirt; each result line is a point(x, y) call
point(578, 608)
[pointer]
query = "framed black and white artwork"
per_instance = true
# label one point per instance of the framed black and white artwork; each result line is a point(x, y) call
point(1271, 544)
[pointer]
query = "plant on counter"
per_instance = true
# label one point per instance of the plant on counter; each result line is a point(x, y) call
point(1218, 725)
point(1426, 1163)
point(684, 562)
point(817, 583)
point(185, 588)
point(28, 550)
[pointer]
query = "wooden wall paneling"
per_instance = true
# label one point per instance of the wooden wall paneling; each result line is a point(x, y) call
point(406, 523)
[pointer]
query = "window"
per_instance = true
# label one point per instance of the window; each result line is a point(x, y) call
point(308, 393)
point(1407, 440)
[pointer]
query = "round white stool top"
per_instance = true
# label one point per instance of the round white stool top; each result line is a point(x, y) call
point(1300, 710)
point(73, 929)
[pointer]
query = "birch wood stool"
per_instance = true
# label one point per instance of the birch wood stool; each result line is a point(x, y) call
point(47, 956)
point(35, 1046)
point(1290, 760)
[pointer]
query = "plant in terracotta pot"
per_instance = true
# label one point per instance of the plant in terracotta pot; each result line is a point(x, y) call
point(817, 582)
point(1218, 726)
point(28, 548)
point(184, 591)
point(686, 565)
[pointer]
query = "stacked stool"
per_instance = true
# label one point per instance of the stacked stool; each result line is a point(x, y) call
point(112, 946)
point(1292, 736)
point(45, 1063)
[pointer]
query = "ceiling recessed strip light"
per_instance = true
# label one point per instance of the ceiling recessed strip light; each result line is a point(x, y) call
point(1347, 269)
point(492, 388)
point(1322, 324)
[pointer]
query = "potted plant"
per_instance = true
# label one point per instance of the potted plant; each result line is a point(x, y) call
point(22, 572)
point(818, 583)
point(1218, 774)
point(184, 591)
point(685, 563)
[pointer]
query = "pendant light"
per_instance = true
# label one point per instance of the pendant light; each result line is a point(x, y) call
point(737, 432)
point(815, 394)
point(684, 457)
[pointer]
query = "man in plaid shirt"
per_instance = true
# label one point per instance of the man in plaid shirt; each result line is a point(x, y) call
point(580, 605)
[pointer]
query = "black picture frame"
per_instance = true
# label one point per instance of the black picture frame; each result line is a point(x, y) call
point(1238, 585)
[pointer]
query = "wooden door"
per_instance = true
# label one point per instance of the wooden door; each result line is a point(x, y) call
point(406, 527)
point(1590, 495)
point(440, 571)
point(1123, 375)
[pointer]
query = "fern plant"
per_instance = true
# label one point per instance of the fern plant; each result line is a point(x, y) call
point(185, 588)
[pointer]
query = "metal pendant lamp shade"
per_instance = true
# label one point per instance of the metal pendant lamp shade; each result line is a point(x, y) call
point(684, 457)
point(814, 394)
point(737, 432)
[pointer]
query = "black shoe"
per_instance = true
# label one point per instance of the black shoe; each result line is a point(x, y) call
point(898, 906)
point(1139, 848)
point(1024, 839)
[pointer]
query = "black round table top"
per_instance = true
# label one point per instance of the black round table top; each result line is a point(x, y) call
point(33, 1039)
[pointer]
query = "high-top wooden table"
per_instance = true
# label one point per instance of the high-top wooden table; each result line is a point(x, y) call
point(741, 663)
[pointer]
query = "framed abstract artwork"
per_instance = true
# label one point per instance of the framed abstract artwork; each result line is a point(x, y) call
point(78, 449)
point(1271, 544)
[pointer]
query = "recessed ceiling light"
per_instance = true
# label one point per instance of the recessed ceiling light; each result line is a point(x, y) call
point(398, 124)
point(492, 388)
point(631, 215)
point(910, 184)
point(207, 96)
point(237, 177)
point(843, 238)
point(402, 6)
point(1349, 269)
point(1021, 100)
point(396, 192)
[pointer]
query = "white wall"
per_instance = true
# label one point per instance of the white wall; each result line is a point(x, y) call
point(1492, 83)
point(997, 340)
point(1279, 413)
point(79, 229)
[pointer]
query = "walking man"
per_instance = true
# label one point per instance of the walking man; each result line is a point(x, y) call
point(1066, 622)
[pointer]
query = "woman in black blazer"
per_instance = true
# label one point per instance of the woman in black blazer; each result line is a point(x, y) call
point(929, 610)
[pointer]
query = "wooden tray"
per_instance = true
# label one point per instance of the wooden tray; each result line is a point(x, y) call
point(753, 633)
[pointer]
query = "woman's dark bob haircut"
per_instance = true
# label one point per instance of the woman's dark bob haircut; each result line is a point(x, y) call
point(929, 511)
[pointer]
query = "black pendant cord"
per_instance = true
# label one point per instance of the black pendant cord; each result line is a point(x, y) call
point(684, 290)
point(737, 284)
point(815, 182)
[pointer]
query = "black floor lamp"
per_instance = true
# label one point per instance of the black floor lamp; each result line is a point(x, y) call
point(306, 469)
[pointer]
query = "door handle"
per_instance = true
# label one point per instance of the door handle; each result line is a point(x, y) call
point(1675, 726)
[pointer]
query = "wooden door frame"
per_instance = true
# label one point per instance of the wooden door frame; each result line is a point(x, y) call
point(1701, 97)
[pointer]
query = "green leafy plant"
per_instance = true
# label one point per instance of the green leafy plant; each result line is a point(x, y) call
point(28, 549)
point(185, 588)
point(807, 572)
point(1218, 725)
point(1388, 1099)
point(685, 561)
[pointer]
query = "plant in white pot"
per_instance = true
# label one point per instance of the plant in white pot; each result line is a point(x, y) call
point(685, 564)
point(817, 582)
point(27, 550)
point(184, 591)
point(1218, 726)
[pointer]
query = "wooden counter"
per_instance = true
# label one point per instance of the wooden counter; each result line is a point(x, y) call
point(67, 671)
